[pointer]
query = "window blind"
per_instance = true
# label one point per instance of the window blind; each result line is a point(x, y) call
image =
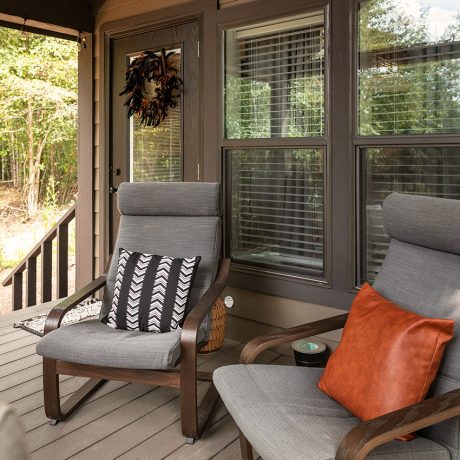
point(409, 68)
point(157, 152)
point(431, 171)
point(274, 79)
point(277, 205)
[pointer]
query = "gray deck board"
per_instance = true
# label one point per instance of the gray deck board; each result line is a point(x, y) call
point(121, 420)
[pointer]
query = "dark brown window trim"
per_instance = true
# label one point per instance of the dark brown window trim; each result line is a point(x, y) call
point(359, 158)
point(304, 278)
point(361, 141)
point(291, 289)
point(287, 142)
point(420, 140)
point(259, 11)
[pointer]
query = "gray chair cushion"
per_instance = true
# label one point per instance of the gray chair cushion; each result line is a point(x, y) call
point(169, 236)
point(170, 219)
point(421, 272)
point(427, 282)
point(425, 221)
point(94, 343)
point(169, 199)
point(285, 416)
point(12, 435)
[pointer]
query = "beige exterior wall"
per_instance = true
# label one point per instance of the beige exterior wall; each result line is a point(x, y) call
point(273, 310)
point(280, 311)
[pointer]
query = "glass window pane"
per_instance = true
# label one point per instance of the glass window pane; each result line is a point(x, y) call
point(409, 67)
point(277, 208)
point(432, 171)
point(156, 153)
point(274, 79)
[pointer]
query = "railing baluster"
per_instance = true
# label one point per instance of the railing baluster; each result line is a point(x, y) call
point(47, 270)
point(29, 262)
point(31, 282)
point(17, 291)
point(62, 260)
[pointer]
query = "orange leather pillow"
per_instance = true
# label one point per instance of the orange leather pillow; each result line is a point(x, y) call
point(387, 359)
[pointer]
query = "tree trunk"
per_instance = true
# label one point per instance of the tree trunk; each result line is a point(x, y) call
point(13, 162)
point(33, 161)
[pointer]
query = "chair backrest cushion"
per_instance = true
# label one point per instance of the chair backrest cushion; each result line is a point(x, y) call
point(422, 220)
point(421, 272)
point(172, 219)
point(169, 199)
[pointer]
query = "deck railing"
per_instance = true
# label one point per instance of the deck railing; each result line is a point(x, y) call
point(29, 265)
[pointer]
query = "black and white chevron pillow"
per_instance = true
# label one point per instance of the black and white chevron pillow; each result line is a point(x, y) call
point(151, 292)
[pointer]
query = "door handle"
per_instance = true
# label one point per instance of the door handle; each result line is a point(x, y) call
point(112, 190)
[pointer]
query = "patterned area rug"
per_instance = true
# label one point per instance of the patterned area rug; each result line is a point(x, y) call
point(86, 310)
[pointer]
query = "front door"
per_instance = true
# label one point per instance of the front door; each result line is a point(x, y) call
point(171, 151)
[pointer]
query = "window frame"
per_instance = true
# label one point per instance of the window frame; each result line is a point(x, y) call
point(361, 142)
point(253, 268)
point(226, 145)
point(342, 169)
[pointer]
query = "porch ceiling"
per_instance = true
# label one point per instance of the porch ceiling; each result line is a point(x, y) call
point(69, 15)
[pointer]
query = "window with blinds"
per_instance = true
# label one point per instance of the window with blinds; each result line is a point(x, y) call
point(274, 90)
point(277, 208)
point(409, 68)
point(408, 79)
point(274, 79)
point(156, 152)
point(433, 171)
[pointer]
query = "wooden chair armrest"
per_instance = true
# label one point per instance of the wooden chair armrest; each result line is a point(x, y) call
point(368, 435)
point(258, 344)
point(55, 316)
point(204, 305)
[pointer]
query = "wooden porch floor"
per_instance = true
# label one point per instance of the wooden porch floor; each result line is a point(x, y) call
point(125, 421)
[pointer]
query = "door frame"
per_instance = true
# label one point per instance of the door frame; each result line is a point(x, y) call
point(154, 20)
point(186, 37)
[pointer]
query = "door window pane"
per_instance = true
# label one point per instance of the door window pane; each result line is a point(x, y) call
point(156, 153)
point(277, 208)
point(432, 171)
point(409, 67)
point(274, 79)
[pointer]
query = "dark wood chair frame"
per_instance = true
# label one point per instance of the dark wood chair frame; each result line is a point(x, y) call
point(194, 417)
point(366, 436)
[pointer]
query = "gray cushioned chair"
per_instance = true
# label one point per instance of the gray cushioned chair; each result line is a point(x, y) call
point(281, 412)
point(173, 219)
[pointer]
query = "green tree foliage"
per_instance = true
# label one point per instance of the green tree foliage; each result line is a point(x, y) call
point(409, 81)
point(38, 115)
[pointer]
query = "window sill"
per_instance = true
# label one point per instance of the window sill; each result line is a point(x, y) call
point(279, 275)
